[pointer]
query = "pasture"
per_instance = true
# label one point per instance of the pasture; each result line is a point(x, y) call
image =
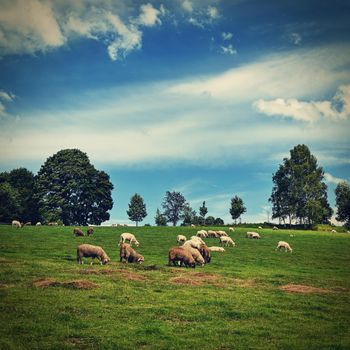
point(245, 298)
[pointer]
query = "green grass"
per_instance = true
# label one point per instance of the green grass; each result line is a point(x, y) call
point(235, 302)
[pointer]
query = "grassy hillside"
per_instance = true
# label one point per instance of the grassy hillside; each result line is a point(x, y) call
point(241, 300)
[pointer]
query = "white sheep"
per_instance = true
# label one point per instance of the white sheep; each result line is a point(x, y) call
point(253, 235)
point(285, 245)
point(216, 249)
point(128, 237)
point(194, 238)
point(192, 225)
point(197, 256)
point(221, 233)
point(260, 228)
point(38, 223)
point(202, 233)
point(231, 229)
point(212, 233)
point(275, 228)
point(16, 223)
point(334, 231)
point(227, 241)
point(91, 251)
point(181, 238)
point(192, 243)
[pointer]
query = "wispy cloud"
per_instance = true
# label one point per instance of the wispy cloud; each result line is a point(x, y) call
point(226, 35)
point(332, 179)
point(228, 50)
point(295, 38)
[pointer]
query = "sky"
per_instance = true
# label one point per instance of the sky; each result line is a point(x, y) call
point(198, 96)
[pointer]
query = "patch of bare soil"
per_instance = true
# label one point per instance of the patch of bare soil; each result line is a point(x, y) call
point(198, 279)
point(75, 284)
point(244, 283)
point(130, 275)
point(300, 288)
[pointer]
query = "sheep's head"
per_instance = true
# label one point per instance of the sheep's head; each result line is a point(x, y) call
point(105, 260)
point(140, 260)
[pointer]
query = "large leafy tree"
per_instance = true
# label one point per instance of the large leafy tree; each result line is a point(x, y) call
point(160, 219)
point(173, 205)
point(237, 208)
point(342, 193)
point(137, 209)
point(68, 188)
point(10, 206)
point(188, 215)
point(203, 210)
point(22, 182)
point(299, 191)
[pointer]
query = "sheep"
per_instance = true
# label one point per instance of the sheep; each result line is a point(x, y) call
point(334, 231)
point(91, 251)
point(130, 255)
point(212, 233)
point(205, 252)
point(181, 239)
point(202, 233)
point(192, 225)
point(53, 224)
point(38, 223)
point(221, 233)
point(180, 255)
point(128, 237)
point(285, 245)
point(196, 238)
point(192, 243)
point(196, 255)
point(90, 231)
point(16, 223)
point(231, 229)
point(227, 241)
point(260, 228)
point(77, 232)
point(275, 228)
point(29, 223)
point(216, 249)
point(253, 235)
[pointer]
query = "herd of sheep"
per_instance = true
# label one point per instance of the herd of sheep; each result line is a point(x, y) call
point(188, 253)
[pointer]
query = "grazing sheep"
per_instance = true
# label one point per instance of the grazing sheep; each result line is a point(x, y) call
point(285, 245)
point(227, 241)
point(260, 228)
point(90, 231)
point(91, 251)
point(221, 233)
point(205, 252)
point(216, 249)
point(212, 233)
point(38, 223)
point(202, 233)
point(77, 232)
point(16, 223)
point(181, 239)
point(52, 224)
point(253, 235)
point(29, 223)
point(130, 255)
point(180, 255)
point(232, 229)
point(334, 231)
point(192, 243)
point(192, 225)
point(196, 238)
point(128, 237)
point(196, 255)
point(275, 228)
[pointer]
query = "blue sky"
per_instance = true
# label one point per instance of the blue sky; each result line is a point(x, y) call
point(203, 97)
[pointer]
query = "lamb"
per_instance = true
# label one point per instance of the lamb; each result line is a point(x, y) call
point(285, 245)
point(231, 229)
point(180, 255)
point(91, 251)
point(253, 235)
point(16, 223)
point(77, 232)
point(221, 233)
point(205, 252)
point(212, 233)
point(181, 239)
point(227, 241)
point(128, 237)
point(130, 255)
point(216, 249)
point(90, 231)
point(202, 233)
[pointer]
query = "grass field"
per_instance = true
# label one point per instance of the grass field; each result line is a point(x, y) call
point(237, 301)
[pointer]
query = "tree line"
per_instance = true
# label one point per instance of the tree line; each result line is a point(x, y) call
point(69, 190)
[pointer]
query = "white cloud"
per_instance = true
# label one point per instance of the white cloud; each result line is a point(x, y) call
point(337, 108)
point(196, 22)
point(295, 38)
point(213, 12)
point(187, 5)
point(228, 50)
point(226, 36)
point(332, 179)
point(6, 96)
point(149, 15)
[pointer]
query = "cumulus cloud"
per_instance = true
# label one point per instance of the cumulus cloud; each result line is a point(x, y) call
point(187, 5)
point(336, 109)
point(295, 38)
point(149, 15)
point(228, 50)
point(332, 179)
point(213, 12)
point(6, 96)
point(226, 36)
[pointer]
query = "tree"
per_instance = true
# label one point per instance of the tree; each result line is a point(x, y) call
point(10, 206)
point(160, 219)
point(188, 215)
point(299, 191)
point(173, 205)
point(69, 189)
point(237, 208)
point(22, 181)
point(137, 209)
point(203, 210)
point(342, 199)
point(209, 221)
point(219, 222)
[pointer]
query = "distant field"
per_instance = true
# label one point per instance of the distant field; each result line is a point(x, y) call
point(243, 299)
